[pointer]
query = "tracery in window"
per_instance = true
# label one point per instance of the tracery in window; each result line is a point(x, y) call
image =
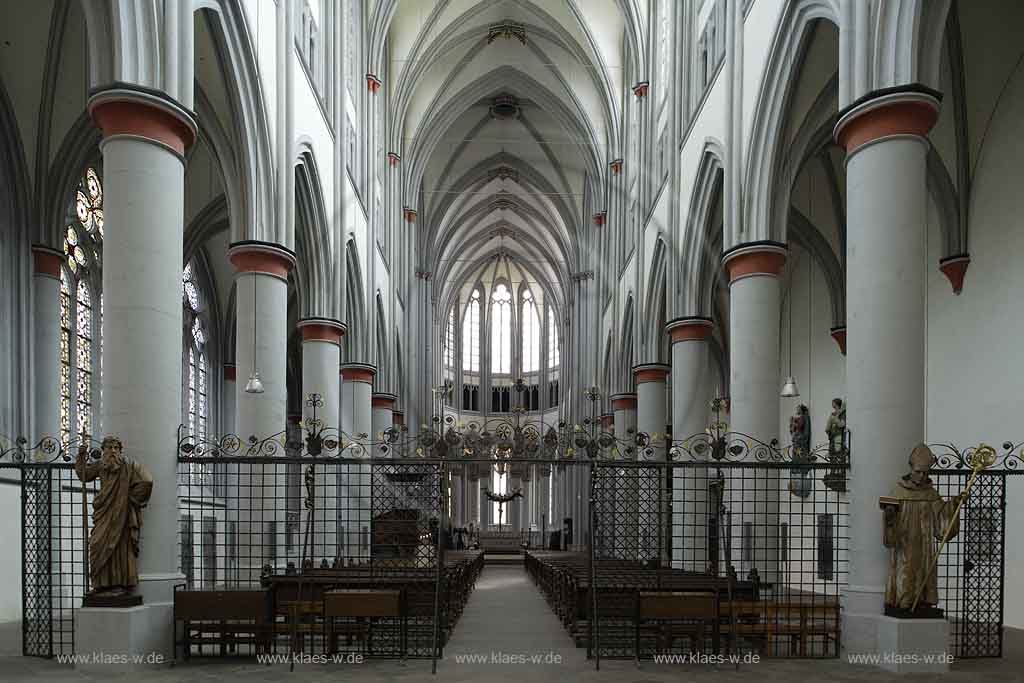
point(79, 327)
point(471, 334)
point(531, 333)
point(501, 330)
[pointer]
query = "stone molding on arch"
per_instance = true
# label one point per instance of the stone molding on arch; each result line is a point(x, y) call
point(701, 250)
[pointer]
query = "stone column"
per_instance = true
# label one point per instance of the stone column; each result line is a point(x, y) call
point(621, 499)
point(382, 416)
point(690, 407)
point(321, 350)
point(652, 404)
point(228, 415)
point(261, 347)
point(754, 385)
point(354, 478)
point(46, 265)
point(261, 342)
point(884, 134)
point(145, 135)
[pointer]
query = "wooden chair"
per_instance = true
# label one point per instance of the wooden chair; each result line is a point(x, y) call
point(699, 609)
point(360, 604)
point(227, 618)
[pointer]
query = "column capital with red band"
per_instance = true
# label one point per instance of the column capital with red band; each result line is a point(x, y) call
point(126, 109)
point(754, 258)
point(230, 372)
point(955, 268)
point(689, 328)
point(383, 400)
point(625, 401)
point(397, 418)
point(254, 256)
point(607, 421)
point(651, 372)
point(904, 110)
point(839, 335)
point(358, 372)
point(46, 261)
point(322, 329)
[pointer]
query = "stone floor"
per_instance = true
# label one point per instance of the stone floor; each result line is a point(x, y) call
point(506, 617)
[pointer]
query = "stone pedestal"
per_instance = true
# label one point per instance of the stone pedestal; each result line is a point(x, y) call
point(115, 640)
point(898, 645)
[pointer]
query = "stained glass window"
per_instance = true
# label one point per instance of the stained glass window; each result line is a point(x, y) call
point(501, 330)
point(471, 334)
point(195, 371)
point(531, 334)
point(79, 299)
point(553, 355)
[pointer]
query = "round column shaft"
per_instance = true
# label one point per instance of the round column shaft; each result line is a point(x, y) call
point(382, 415)
point(144, 141)
point(690, 408)
point(354, 478)
point(321, 349)
point(621, 499)
point(754, 391)
point(885, 139)
point(46, 340)
point(652, 419)
point(261, 301)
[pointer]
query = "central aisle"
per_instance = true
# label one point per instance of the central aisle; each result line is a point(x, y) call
point(507, 625)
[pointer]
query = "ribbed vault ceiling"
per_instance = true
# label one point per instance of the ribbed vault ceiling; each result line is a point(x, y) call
point(505, 114)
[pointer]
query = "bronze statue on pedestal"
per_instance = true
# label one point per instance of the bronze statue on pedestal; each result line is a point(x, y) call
point(125, 488)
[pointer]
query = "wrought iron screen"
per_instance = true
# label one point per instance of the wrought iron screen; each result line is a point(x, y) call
point(669, 529)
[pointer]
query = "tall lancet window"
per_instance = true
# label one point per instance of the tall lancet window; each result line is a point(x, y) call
point(196, 394)
point(501, 330)
point(531, 334)
point(553, 355)
point(449, 340)
point(471, 334)
point(80, 281)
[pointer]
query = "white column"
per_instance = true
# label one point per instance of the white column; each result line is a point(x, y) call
point(382, 417)
point(145, 137)
point(651, 408)
point(321, 403)
point(261, 346)
point(229, 400)
point(622, 498)
point(690, 409)
point(46, 342)
point(354, 479)
point(885, 139)
point(754, 386)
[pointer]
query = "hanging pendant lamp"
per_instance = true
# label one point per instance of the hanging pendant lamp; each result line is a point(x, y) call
point(254, 385)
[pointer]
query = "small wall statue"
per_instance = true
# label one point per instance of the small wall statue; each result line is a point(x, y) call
point(835, 428)
point(125, 488)
point(916, 518)
point(800, 484)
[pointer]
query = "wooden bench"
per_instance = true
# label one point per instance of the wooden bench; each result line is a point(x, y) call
point(698, 610)
point(226, 618)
